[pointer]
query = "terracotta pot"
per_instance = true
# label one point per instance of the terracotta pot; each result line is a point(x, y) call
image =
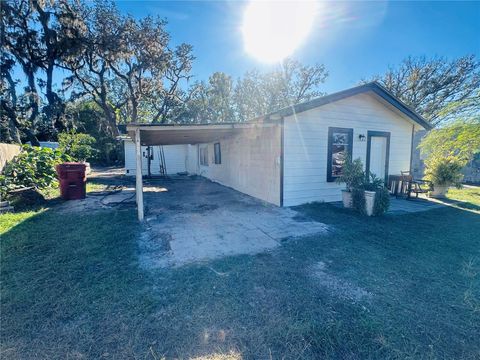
point(438, 191)
point(369, 202)
point(347, 199)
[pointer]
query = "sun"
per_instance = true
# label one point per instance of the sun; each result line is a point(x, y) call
point(273, 30)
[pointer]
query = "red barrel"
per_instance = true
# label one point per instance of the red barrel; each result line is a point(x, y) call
point(73, 180)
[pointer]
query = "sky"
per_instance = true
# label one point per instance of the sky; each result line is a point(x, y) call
point(354, 40)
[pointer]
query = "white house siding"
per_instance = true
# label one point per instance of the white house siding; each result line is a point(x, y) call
point(175, 159)
point(306, 143)
point(250, 163)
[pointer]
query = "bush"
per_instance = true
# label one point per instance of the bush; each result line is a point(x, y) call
point(382, 201)
point(358, 200)
point(371, 182)
point(444, 171)
point(352, 174)
point(34, 166)
point(77, 146)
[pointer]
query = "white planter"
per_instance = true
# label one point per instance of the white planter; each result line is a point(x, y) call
point(347, 199)
point(369, 202)
point(439, 191)
point(88, 169)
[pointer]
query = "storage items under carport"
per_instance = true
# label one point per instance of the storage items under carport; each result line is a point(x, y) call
point(73, 180)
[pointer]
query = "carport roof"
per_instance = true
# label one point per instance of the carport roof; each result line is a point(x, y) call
point(172, 134)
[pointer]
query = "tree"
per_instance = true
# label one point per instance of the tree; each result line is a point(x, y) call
point(61, 37)
point(222, 100)
point(460, 139)
point(127, 67)
point(258, 94)
point(87, 117)
point(36, 36)
point(210, 102)
point(20, 45)
point(438, 89)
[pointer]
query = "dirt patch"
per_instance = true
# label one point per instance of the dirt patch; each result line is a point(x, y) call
point(337, 286)
point(120, 198)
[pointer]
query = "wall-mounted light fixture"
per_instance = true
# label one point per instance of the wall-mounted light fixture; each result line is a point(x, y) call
point(362, 137)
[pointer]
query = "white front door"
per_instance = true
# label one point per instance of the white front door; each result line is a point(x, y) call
point(378, 156)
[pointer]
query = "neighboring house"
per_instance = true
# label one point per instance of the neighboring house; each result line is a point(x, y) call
point(293, 156)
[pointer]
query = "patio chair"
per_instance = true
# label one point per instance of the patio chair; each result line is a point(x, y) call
point(410, 185)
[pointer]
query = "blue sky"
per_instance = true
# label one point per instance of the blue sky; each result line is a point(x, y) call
point(353, 39)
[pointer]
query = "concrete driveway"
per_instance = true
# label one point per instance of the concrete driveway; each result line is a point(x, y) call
point(190, 219)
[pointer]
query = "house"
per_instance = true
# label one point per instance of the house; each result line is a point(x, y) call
point(294, 155)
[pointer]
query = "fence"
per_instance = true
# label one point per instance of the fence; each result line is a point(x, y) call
point(7, 153)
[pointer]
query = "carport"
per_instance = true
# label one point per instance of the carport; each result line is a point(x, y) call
point(176, 134)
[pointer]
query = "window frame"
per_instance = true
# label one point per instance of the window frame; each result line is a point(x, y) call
point(331, 131)
point(217, 160)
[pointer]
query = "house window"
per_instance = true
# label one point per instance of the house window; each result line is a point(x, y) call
point(340, 141)
point(204, 156)
point(218, 153)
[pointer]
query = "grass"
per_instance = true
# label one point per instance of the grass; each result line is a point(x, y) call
point(72, 287)
point(468, 195)
point(10, 220)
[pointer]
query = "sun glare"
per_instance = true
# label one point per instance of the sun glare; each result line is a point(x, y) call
point(273, 30)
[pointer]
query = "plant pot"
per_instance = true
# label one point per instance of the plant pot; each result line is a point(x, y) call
point(347, 199)
point(369, 202)
point(438, 191)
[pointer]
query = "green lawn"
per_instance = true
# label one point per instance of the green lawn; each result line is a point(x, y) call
point(469, 195)
point(394, 287)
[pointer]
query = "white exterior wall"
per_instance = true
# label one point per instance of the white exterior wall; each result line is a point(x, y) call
point(250, 163)
point(306, 145)
point(175, 159)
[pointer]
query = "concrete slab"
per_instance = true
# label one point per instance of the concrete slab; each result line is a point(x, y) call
point(202, 220)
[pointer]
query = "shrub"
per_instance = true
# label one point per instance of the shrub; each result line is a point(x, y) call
point(371, 182)
point(352, 173)
point(34, 166)
point(77, 146)
point(444, 171)
point(358, 200)
point(382, 201)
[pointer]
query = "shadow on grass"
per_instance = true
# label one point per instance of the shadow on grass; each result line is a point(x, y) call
point(72, 287)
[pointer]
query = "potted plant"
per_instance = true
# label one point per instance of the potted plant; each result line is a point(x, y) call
point(443, 173)
point(374, 191)
point(352, 176)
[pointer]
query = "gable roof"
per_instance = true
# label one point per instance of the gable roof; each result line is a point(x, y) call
point(372, 86)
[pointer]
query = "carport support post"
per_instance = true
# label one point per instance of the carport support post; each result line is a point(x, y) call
point(138, 175)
